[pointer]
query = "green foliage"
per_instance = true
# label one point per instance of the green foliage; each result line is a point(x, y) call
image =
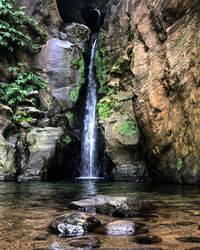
point(65, 140)
point(101, 64)
point(70, 117)
point(120, 66)
point(79, 65)
point(13, 27)
point(128, 128)
point(16, 118)
point(25, 80)
point(179, 163)
point(107, 107)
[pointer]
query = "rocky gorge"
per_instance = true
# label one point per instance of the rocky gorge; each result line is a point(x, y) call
point(147, 68)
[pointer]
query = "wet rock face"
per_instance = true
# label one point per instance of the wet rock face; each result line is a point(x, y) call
point(41, 145)
point(46, 13)
point(7, 155)
point(164, 75)
point(73, 224)
point(59, 60)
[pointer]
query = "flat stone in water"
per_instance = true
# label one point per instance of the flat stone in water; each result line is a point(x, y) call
point(147, 239)
point(82, 242)
point(112, 206)
point(73, 224)
point(189, 239)
point(117, 228)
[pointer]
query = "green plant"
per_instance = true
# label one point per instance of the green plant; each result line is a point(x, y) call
point(65, 140)
point(128, 128)
point(24, 81)
point(80, 65)
point(16, 118)
point(101, 63)
point(70, 117)
point(106, 107)
point(17, 29)
point(179, 163)
point(120, 66)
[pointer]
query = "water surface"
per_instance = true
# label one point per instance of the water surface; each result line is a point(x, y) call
point(27, 208)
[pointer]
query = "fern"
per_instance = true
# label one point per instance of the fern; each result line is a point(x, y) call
point(25, 81)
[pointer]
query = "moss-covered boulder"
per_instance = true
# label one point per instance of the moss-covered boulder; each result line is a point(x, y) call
point(121, 135)
point(41, 145)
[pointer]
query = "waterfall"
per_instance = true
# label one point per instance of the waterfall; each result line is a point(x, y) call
point(89, 140)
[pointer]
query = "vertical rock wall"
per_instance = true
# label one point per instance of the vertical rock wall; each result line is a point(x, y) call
point(163, 37)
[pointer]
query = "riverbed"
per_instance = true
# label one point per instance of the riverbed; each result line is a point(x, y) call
point(27, 208)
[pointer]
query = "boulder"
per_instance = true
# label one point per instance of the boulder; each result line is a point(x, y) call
point(7, 151)
point(113, 206)
point(122, 136)
point(117, 228)
point(41, 144)
point(73, 224)
point(85, 242)
point(147, 239)
point(78, 34)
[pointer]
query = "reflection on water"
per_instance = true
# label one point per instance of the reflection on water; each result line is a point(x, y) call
point(27, 208)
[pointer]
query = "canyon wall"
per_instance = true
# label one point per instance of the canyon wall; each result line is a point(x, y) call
point(163, 74)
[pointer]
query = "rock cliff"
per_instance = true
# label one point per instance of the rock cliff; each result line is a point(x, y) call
point(163, 74)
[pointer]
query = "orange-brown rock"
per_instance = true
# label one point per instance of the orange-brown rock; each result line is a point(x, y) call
point(164, 73)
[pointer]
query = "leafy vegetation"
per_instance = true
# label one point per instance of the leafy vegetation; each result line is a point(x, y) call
point(70, 117)
point(65, 140)
point(179, 163)
point(120, 66)
point(101, 63)
point(128, 128)
point(15, 28)
point(24, 81)
point(107, 107)
point(80, 65)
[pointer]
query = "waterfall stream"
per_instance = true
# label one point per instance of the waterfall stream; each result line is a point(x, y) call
point(89, 140)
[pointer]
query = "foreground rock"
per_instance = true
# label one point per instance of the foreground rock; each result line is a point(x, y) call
point(113, 206)
point(73, 224)
point(147, 239)
point(117, 228)
point(88, 242)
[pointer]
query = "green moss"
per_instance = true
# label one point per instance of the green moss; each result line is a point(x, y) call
point(78, 65)
point(128, 128)
point(65, 140)
point(101, 64)
point(70, 117)
point(120, 66)
point(75, 94)
point(179, 163)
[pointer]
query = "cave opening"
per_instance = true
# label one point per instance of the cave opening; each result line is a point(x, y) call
point(83, 11)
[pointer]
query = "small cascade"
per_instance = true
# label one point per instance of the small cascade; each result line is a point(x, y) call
point(89, 159)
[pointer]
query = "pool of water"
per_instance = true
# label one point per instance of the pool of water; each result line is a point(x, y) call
point(27, 208)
